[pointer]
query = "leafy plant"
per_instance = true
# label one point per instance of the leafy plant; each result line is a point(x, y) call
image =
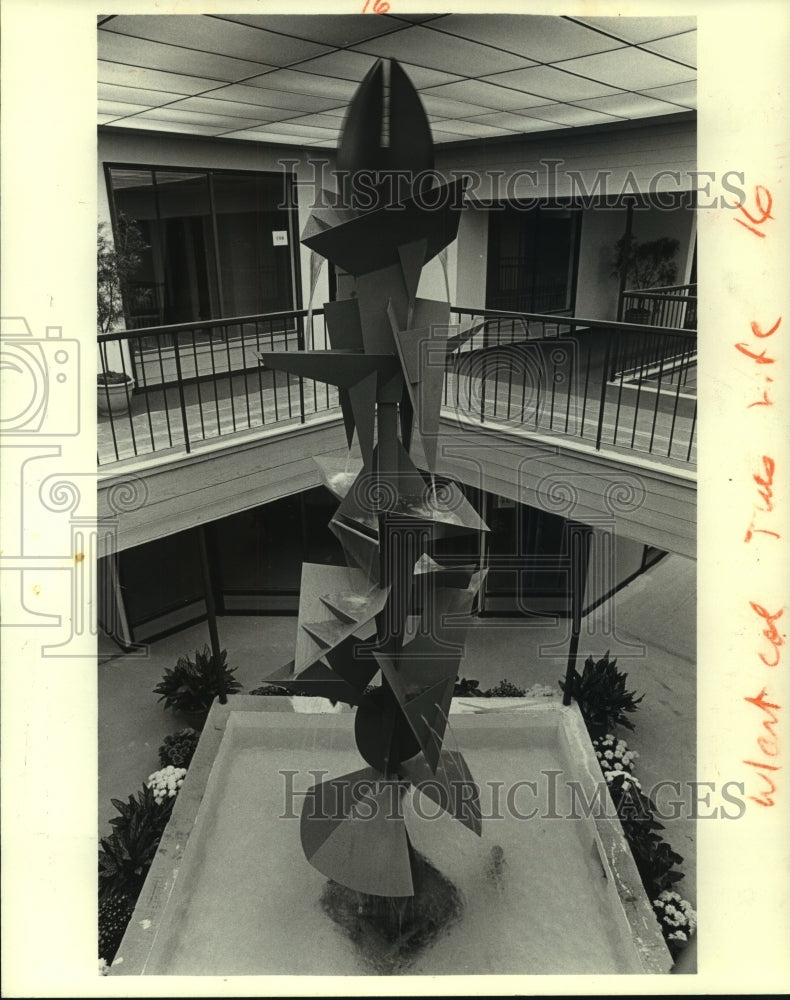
point(602, 697)
point(113, 378)
point(270, 689)
point(117, 260)
point(645, 265)
point(467, 689)
point(504, 689)
point(178, 748)
point(126, 855)
point(194, 684)
point(115, 912)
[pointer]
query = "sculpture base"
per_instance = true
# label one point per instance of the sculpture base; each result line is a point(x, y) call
point(390, 930)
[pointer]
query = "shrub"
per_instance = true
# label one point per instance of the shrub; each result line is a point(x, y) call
point(178, 748)
point(193, 685)
point(126, 855)
point(504, 689)
point(115, 912)
point(602, 697)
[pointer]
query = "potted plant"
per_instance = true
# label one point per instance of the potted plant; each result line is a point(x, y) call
point(192, 685)
point(116, 263)
point(114, 392)
point(644, 265)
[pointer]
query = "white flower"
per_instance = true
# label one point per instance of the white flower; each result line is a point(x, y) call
point(608, 754)
point(103, 967)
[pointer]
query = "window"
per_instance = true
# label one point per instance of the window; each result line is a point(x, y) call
point(532, 258)
point(211, 245)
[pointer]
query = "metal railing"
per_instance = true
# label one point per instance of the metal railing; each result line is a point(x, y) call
point(613, 385)
point(668, 306)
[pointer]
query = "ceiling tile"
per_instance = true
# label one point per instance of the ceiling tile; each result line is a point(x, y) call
point(425, 47)
point(630, 105)
point(118, 108)
point(445, 108)
point(212, 34)
point(468, 128)
point(566, 114)
point(681, 93)
point(252, 93)
point(233, 109)
point(623, 67)
point(506, 119)
point(346, 65)
point(351, 65)
point(134, 95)
point(156, 55)
point(542, 38)
point(641, 29)
point(174, 113)
point(484, 94)
point(328, 29)
point(134, 76)
point(150, 125)
point(297, 82)
point(323, 121)
point(552, 84)
point(295, 128)
point(681, 47)
point(262, 135)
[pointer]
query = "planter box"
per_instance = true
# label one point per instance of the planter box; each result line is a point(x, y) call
point(230, 892)
point(115, 398)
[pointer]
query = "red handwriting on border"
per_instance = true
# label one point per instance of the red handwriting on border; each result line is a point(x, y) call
point(766, 493)
point(771, 633)
point(760, 358)
point(379, 7)
point(769, 747)
point(764, 201)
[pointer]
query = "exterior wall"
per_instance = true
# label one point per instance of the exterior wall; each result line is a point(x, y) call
point(596, 289)
point(176, 151)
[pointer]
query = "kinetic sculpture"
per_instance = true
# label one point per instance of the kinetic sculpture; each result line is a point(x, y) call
point(394, 608)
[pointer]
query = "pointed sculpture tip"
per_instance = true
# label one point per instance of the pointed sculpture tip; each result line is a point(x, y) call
point(386, 128)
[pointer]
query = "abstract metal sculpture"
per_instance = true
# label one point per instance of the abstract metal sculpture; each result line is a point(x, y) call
point(394, 608)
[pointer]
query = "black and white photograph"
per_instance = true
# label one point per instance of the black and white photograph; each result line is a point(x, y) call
point(405, 611)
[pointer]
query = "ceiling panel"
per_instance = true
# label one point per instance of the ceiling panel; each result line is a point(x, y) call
point(298, 82)
point(640, 29)
point(622, 67)
point(118, 108)
point(507, 119)
point(139, 77)
point(264, 135)
point(479, 75)
point(684, 94)
point(543, 39)
point(328, 29)
point(151, 125)
point(211, 34)
point(426, 47)
point(156, 55)
point(484, 94)
point(174, 113)
point(630, 105)
point(251, 93)
point(134, 95)
point(568, 114)
point(228, 109)
point(553, 84)
point(680, 47)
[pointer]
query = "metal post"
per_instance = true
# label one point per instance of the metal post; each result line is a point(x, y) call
point(181, 399)
point(211, 614)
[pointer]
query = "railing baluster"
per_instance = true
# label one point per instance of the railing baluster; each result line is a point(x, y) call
point(182, 401)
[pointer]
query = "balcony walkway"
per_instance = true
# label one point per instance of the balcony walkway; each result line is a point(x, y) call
point(659, 425)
